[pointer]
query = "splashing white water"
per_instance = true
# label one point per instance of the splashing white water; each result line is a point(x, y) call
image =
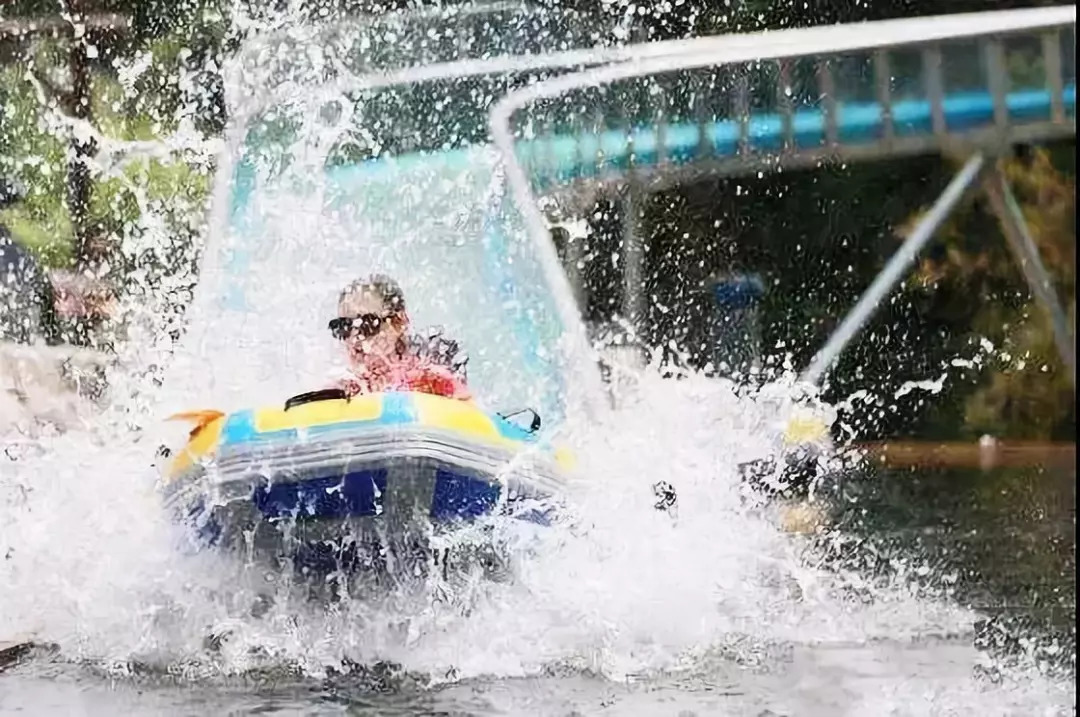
point(617, 589)
point(91, 562)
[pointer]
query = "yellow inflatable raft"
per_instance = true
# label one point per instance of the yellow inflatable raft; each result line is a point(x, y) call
point(322, 467)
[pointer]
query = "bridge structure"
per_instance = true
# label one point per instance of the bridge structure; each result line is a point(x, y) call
point(966, 85)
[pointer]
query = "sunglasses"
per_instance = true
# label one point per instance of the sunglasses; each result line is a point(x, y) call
point(366, 325)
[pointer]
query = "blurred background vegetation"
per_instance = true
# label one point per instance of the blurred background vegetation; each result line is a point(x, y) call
point(154, 80)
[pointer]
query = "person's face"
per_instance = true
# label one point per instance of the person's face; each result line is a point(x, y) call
point(378, 332)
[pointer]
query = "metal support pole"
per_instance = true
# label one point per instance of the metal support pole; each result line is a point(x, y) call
point(633, 258)
point(1026, 252)
point(575, 268)
point(894, 270)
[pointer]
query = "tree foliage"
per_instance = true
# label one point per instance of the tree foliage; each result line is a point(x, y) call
point(973, 280)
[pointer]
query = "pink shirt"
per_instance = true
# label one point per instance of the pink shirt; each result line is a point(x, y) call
point(409, 373)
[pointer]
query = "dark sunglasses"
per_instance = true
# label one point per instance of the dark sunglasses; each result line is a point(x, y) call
point(366, 325)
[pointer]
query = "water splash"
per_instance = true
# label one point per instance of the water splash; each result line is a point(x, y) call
point(91, 562)
point(615, 589)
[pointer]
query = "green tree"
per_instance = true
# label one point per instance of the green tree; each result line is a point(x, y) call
point(974, 281)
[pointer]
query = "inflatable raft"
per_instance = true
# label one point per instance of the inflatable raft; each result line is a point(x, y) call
point(322, 476)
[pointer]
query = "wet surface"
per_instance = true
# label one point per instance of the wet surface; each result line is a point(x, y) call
point(926, 677)
point(1000, 542)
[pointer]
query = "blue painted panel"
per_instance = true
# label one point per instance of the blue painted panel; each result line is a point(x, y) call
point(398, 409)
point(352, 495)
point(461, 497)
point(511, 430)
point(239, 428)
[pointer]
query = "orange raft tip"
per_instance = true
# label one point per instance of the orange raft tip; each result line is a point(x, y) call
point(201, 419)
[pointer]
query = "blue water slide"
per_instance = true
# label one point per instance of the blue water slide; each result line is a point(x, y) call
point(559, 158)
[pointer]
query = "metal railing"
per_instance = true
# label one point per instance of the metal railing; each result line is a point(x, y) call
point(543, 136)
point(796, 98)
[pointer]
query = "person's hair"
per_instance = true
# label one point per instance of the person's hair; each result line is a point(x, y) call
point(388, 291)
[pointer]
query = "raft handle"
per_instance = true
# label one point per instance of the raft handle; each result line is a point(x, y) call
point(534, 426)
point(326, 394)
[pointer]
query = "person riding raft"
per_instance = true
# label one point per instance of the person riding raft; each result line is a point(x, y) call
point(382, 354)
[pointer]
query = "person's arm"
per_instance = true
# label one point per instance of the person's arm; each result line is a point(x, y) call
point(350, 385)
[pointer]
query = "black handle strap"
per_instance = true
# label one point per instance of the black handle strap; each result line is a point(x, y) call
point(326, 394)
point(534, 425)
